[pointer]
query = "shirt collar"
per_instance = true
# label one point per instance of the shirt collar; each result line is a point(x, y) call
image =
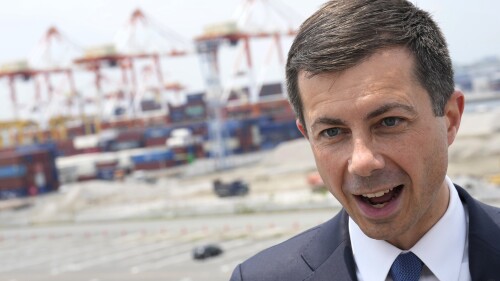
point(441, 248)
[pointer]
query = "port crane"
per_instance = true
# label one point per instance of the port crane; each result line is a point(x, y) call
point(129, 49)
point(253, 19)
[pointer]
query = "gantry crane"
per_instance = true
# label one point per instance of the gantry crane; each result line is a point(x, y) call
point(127, 50)
point(32, 70)
point(277, 21)
point(241, 30)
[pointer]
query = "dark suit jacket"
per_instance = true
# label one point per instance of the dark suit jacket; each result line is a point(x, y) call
point(324, 252)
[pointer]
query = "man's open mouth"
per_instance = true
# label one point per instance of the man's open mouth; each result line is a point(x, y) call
point(380, 199)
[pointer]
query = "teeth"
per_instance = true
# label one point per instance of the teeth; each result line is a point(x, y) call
point(378, 194)
point(379, 206)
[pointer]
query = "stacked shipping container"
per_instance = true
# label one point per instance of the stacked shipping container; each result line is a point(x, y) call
point(152, 160)
point(28, 170)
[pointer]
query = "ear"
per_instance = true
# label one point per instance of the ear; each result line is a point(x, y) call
point(453, 112)
point(301, 128)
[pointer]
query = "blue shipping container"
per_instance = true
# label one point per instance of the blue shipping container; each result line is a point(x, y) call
point(157, 156)
point(198, 97)
point(13, 193)
point(27, 149)
point(13, 171)
point(157, 132)
point(106, 174)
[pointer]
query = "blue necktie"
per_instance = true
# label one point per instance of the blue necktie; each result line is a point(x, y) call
point(406, 267)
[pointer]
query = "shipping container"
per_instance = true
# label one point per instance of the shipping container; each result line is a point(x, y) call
point(65, 148)
point(81, 178)
point(271, 89)
point(12, 171)
point(130, 135)
point(155, 165)
point(155, 142)
point(154, 156)
point(81, 130)
point(238, 111)
point(157, 132)
point(195, 97)
point(150, 105)
point(196, 111)
point(177, 114)
point(106, 173)
point(13, 193)
point(106, 164)
point(274, 133)
point(13, 183)
point(30, 168)
point(123, 145)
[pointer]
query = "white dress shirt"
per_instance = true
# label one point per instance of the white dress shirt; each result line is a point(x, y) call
point(443, 249)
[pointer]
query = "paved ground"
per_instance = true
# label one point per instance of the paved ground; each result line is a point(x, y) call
point(155, 250)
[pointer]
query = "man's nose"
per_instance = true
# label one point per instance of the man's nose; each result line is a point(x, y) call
point(364, 160)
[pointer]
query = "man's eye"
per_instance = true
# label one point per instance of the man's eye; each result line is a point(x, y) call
point(390, 121)
point(332, 132)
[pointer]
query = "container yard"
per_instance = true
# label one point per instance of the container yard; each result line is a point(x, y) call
point(133, 117)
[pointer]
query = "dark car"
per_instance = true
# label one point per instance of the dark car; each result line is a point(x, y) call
point(234, 188)
point(206, 251)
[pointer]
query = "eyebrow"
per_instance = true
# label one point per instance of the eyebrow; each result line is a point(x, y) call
point(388, 107)
point(327, 121)
point(373, 114)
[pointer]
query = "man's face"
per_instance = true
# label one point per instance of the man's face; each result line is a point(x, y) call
point(378, 145)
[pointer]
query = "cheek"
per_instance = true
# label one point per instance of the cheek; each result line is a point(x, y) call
point(330, 167)
point(422, 155)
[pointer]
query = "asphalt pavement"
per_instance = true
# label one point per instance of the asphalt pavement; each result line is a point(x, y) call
point(145, 250)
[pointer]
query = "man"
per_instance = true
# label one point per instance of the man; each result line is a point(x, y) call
point(371, 83)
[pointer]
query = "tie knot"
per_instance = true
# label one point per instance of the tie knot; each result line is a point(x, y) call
point(406, 267)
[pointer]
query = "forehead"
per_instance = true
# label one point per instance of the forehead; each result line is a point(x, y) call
point(391, 63)
point(386, 75)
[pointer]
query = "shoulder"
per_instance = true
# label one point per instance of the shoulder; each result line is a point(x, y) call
point(478, 209)
point(281, 261)
point(285, 261)
point(483, 232)
point(490, 211)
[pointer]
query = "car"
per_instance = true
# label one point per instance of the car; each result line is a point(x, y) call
point(206, 251)
point(234, 188)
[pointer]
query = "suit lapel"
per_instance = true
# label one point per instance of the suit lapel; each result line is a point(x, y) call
point(329, 253)
point(484, 235)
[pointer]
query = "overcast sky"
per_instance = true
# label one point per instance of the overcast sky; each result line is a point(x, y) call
point(472, 28)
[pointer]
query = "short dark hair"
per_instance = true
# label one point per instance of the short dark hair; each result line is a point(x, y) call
point(342, 33)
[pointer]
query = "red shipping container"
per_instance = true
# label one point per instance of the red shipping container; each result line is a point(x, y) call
point(149, 166)
point(10, 158)
point(75, 131)
point(47, 168)
point(66, 148)
point(89, 150)
point(130, 135)
point(106, 164)
point(154, 165)
point(150, 142)
point(199, 151)
point(180, 150)
point(13, 183)
point(7, 149)
point(38, 156)
point(86, 177)
point(284, 117)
